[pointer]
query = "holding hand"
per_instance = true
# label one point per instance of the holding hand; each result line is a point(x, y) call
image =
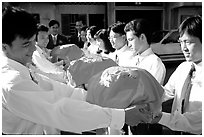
point(157, 118)
point(137, 114)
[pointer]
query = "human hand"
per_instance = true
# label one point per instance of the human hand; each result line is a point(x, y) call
point(138, 114)
point(66, 63)
point(157, 118)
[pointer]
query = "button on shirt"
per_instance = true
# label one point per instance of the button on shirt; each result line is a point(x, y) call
point(150, 62)
point(49, 106)
point(191, 120)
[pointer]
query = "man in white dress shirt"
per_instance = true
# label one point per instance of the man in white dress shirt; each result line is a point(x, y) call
point(41, 57)
point(35, 104)
point(138, 36)
point(118, 40)
point(188, 121)
point(138, 33)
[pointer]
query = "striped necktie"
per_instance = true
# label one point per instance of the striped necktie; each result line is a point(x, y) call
point(186, 90)
point(178, 104)
point(32, 75)
point(54, 40)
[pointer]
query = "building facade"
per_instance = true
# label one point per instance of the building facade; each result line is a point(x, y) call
point(163, 15)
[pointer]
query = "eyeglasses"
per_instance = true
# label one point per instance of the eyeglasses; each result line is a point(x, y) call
point(114, 37)
point(186, 42)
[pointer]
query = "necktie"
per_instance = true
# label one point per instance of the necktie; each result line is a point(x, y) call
point(186, 90)
point(79, 38)
point(116, 59)
point(32, 75)
point(54, 40)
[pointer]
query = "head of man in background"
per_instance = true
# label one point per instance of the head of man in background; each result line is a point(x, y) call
point(138, 34)
point(117, 35)
point(54, 27)
point(79, 25)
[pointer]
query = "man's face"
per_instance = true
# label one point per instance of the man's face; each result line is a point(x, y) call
point(43, 39)
point(21, 50)
point(83, 36)
point(79, 25)
point(134, 42)
point(54, 29)
point(191, 47)
point(117, 40)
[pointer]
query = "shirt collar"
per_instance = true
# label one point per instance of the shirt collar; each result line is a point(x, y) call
point(54, 35)
point(38, 48)
point(145, 53)
point(16, 65)
point(122, 49)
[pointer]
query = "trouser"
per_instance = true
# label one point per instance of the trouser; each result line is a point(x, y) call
point(146, 129)
point(182, 133)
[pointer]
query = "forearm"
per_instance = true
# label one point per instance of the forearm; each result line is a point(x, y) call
point(187, 122)
point(65, 114)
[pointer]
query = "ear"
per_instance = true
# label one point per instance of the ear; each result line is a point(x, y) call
point(124, 37)
point(5, 47)
point(142, 37)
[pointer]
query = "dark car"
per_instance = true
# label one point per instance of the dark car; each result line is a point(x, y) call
point(165, 44)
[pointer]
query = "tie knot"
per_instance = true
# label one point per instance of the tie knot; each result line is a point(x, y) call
point(192, 69)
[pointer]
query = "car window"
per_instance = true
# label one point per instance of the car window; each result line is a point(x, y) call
point(171, 37)
point(157, 36)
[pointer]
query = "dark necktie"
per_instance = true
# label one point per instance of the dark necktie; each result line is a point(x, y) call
point(116, 59)
point(186, 90)
point(34, 79)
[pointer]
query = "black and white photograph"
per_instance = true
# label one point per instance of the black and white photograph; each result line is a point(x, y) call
point(101, 68)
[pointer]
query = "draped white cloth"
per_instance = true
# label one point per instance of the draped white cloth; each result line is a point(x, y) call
point(83, 69)
point(47, 106)
point(121, 87)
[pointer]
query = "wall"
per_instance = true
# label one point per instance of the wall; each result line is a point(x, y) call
point(80, 9)
point(46, 10)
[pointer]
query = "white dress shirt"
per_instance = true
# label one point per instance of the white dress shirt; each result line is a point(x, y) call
point(191, 121)
point(45, 67)
point(54, 38)
point(30, 108)
point(123, 55)
point(149, 61)
point(92, 49)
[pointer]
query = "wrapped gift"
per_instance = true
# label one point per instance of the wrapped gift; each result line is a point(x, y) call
point(70, 51)
point(83, 69)
point(120, 87)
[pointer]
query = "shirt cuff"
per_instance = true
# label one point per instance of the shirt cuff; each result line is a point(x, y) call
point(118, 118)
point(165, 118)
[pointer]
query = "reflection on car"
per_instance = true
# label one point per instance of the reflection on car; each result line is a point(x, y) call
point(165, 44)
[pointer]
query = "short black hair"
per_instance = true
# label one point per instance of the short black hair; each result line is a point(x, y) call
point(17, 22)
point(193, 26)
point(53, 22)
point(118, 27)
point(41, 27)
point(139, 26)
point(84, 28)
point(93, 30)
point(103, 34)
point(79, 19)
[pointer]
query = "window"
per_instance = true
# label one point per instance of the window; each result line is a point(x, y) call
point(68, 22)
